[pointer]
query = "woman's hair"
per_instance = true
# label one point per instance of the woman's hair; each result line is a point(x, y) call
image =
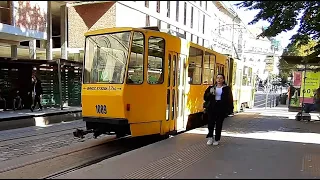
point(224, 78)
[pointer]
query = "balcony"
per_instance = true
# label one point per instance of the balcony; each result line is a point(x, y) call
point(9, 33)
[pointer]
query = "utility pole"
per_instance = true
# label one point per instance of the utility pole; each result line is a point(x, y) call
point(267, 91)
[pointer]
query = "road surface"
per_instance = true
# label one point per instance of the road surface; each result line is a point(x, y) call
point(260, 99)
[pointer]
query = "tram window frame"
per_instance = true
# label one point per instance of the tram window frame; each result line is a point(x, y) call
point(143, 59)
point(161, 77)
point(92, 63)
point(245, 76)
point(191, 81)
point(210, 68)
point(169, 69)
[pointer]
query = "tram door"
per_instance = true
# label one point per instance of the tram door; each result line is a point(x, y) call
point(226, 71)
point(171, 91)
point(182, 119)
point(175, 91)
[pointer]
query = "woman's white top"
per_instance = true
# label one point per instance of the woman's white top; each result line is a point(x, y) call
point(218, 93)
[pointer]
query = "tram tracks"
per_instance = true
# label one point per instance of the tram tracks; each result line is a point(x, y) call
point(70, 159)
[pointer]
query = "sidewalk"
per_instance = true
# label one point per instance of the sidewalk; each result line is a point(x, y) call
point(281, 111)
point(26, 118)
point(25, 113)
point(252, 146)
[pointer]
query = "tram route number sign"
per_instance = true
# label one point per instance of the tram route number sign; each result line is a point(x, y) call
point(101, 109)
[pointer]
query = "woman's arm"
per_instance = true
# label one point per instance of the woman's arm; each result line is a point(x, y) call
point(207, 94)
point(230, 100)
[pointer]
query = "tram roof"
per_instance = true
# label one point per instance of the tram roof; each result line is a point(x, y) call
point(299, 60)
point(107, 30)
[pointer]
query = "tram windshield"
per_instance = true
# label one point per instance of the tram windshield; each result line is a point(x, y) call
point(106, 56)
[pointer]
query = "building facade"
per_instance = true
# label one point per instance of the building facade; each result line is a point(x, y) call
point(207, 23)
point(32, 30)
point(55, 29)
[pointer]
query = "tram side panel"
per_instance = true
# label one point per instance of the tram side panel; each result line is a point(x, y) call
point(147, 103)
point(133, 99)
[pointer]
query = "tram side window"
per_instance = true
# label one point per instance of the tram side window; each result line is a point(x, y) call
point(245, 76)
point(217, 69)
point(220, 69)
point(250, 79)
point(195, 66)
point(156, 53)
point(135, 68)
point(208, 68)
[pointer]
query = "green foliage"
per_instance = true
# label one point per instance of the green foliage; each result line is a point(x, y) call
point(285, 15)
point(294, 50)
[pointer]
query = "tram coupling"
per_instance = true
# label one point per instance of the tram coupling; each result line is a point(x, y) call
point(79, 133)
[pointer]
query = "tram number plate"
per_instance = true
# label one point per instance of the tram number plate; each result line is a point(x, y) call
point(101, 109)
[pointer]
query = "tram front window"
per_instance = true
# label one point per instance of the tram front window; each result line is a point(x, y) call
point(106, 56)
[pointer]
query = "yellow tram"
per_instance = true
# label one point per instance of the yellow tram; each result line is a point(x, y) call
point(140, 82)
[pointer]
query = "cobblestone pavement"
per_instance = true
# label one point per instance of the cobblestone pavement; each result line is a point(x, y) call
point(31, 140)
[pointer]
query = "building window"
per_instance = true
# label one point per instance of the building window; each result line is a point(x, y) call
point(177, 14)
point(146, 4)
point(206, 5)
point(191, 17)
point(185, 14)
point(147, 20)
point(200, 3)
point(159, 24)
point(156, 52)
point(198, 20)
point(168, 26)
point(204, 22)
point(158, 6)
point(168, 9)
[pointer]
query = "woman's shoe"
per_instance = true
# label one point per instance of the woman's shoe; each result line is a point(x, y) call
point(210, 141)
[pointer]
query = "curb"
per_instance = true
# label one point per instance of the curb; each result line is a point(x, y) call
point(42, 119)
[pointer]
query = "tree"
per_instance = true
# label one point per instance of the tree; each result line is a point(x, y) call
point(285, 15)
point(293, 50)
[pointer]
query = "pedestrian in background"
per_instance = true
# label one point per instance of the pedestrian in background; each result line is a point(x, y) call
point(36, 92)
point(219, 104)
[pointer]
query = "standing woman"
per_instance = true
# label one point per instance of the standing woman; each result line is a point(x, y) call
point(218, 104)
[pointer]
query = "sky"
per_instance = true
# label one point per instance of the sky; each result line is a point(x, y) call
point(247, 16)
